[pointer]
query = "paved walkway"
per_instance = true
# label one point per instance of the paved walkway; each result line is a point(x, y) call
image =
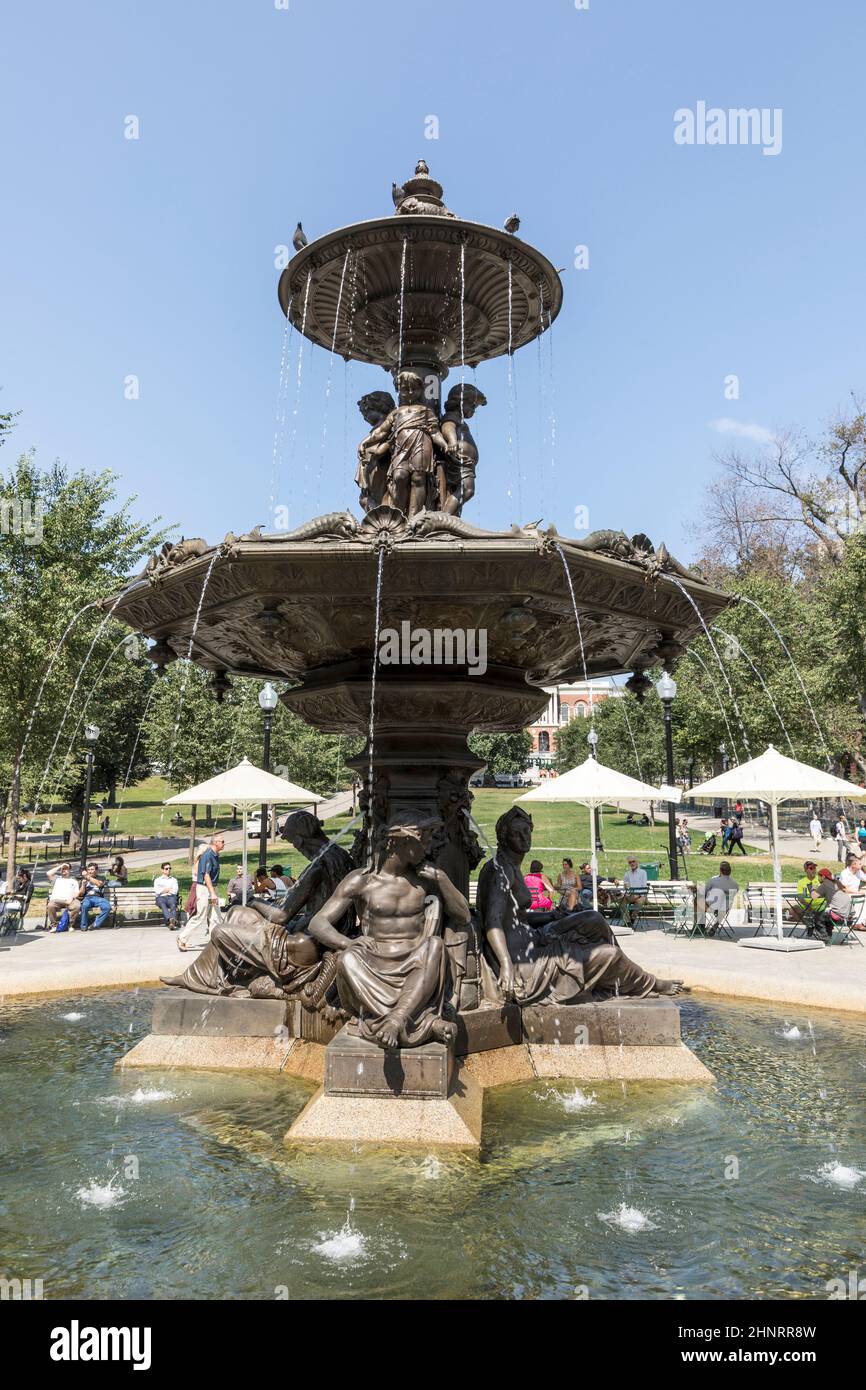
point(833, 978)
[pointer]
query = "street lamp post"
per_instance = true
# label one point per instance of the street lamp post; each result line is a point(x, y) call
point(724, 755)
point(268, 700)
point(666, 689)
point(91, 733)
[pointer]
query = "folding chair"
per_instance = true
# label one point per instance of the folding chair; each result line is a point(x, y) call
point(716, 921)
point(12, 909)
point(845, 935)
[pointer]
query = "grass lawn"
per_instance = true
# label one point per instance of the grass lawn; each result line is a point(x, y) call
point(559, 830)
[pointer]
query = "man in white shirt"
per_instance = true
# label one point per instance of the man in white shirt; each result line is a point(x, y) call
point(635, 882)
point(816, 830)
point(166, 891)
point(63, 895)
point(852, 877)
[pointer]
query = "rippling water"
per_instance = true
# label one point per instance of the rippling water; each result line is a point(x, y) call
point(176, 1184)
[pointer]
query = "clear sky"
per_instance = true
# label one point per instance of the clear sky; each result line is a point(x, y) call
point(155, 257)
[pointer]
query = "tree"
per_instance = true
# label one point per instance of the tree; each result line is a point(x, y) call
point(65, 546)
point(816, 489)
point(503, 752)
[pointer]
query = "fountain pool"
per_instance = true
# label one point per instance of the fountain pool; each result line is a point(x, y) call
point(176, 1184)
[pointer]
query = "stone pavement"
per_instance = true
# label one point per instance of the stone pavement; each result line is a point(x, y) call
point(834, 978)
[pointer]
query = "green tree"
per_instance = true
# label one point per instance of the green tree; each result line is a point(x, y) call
point(65, 546)
point(503, 752)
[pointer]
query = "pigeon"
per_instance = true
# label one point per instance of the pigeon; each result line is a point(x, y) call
point(299, 240)
point(512, 223)
point(398, 193)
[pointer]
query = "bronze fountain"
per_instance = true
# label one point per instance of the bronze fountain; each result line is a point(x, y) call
point(420, 293)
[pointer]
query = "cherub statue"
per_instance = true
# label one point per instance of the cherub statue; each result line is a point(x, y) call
point(459, 479)
point(372, 472)
point(392, 979)
point(409, 432)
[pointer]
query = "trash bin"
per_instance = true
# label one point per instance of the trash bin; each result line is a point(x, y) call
point(67, 836)
point(651, 871)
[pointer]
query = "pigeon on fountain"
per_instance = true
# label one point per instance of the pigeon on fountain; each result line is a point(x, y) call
point(299, 240)
point(512, 223)
point(398, 193)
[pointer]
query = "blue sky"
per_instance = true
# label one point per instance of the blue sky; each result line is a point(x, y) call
point(155, 257)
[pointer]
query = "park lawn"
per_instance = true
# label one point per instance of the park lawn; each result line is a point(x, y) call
point(559, 830)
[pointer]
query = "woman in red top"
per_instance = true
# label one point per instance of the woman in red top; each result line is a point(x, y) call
point(540, 887)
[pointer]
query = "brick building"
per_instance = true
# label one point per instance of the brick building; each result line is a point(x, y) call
point(566, 702)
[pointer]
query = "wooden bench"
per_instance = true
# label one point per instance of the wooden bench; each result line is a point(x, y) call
point(130, 905)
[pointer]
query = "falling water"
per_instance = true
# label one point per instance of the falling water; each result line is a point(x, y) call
point(542, 418)
point(372, 724)
point(185, 680)
point(628, 725)
point(742, 651)
point(552, 383)
point(462, 318)
point(69, 703)
point(782, 643)
point(561, 553)
point(709, 636)
point(280, 421)
point(54, 655)
point(402, 297)
point(690, 652)
point(513, 454)
point(297, 405)
point(150, 695)
point(330, 375)
point(94, 687)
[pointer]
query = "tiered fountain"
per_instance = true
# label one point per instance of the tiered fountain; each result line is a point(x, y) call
point(420, 293)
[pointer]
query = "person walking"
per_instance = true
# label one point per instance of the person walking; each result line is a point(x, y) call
point(840, 833)
point(207, 903)
point(166, 894)
point(736, 840)
point(816, 830)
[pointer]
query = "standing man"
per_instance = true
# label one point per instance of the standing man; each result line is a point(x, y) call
point(840, 834)
point(816, 830)
point(207, 903)
point(166, 892)
point(63, 896)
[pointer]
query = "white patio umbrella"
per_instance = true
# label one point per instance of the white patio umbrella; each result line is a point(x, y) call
point(593, 785)
point(244, 786)
point(774, 778)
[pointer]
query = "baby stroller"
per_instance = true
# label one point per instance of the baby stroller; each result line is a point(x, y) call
point(709, 845)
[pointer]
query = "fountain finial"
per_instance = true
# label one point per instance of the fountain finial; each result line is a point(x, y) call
point(420, 196)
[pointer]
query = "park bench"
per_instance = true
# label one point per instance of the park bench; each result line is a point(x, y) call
point(129, 905)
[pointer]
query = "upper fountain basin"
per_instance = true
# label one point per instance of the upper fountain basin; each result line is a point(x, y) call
point(300, 607)
point(359, 270)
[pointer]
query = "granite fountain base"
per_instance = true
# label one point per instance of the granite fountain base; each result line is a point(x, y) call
point(426, 1096)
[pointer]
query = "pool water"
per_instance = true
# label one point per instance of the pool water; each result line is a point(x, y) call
point(158, 1184)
